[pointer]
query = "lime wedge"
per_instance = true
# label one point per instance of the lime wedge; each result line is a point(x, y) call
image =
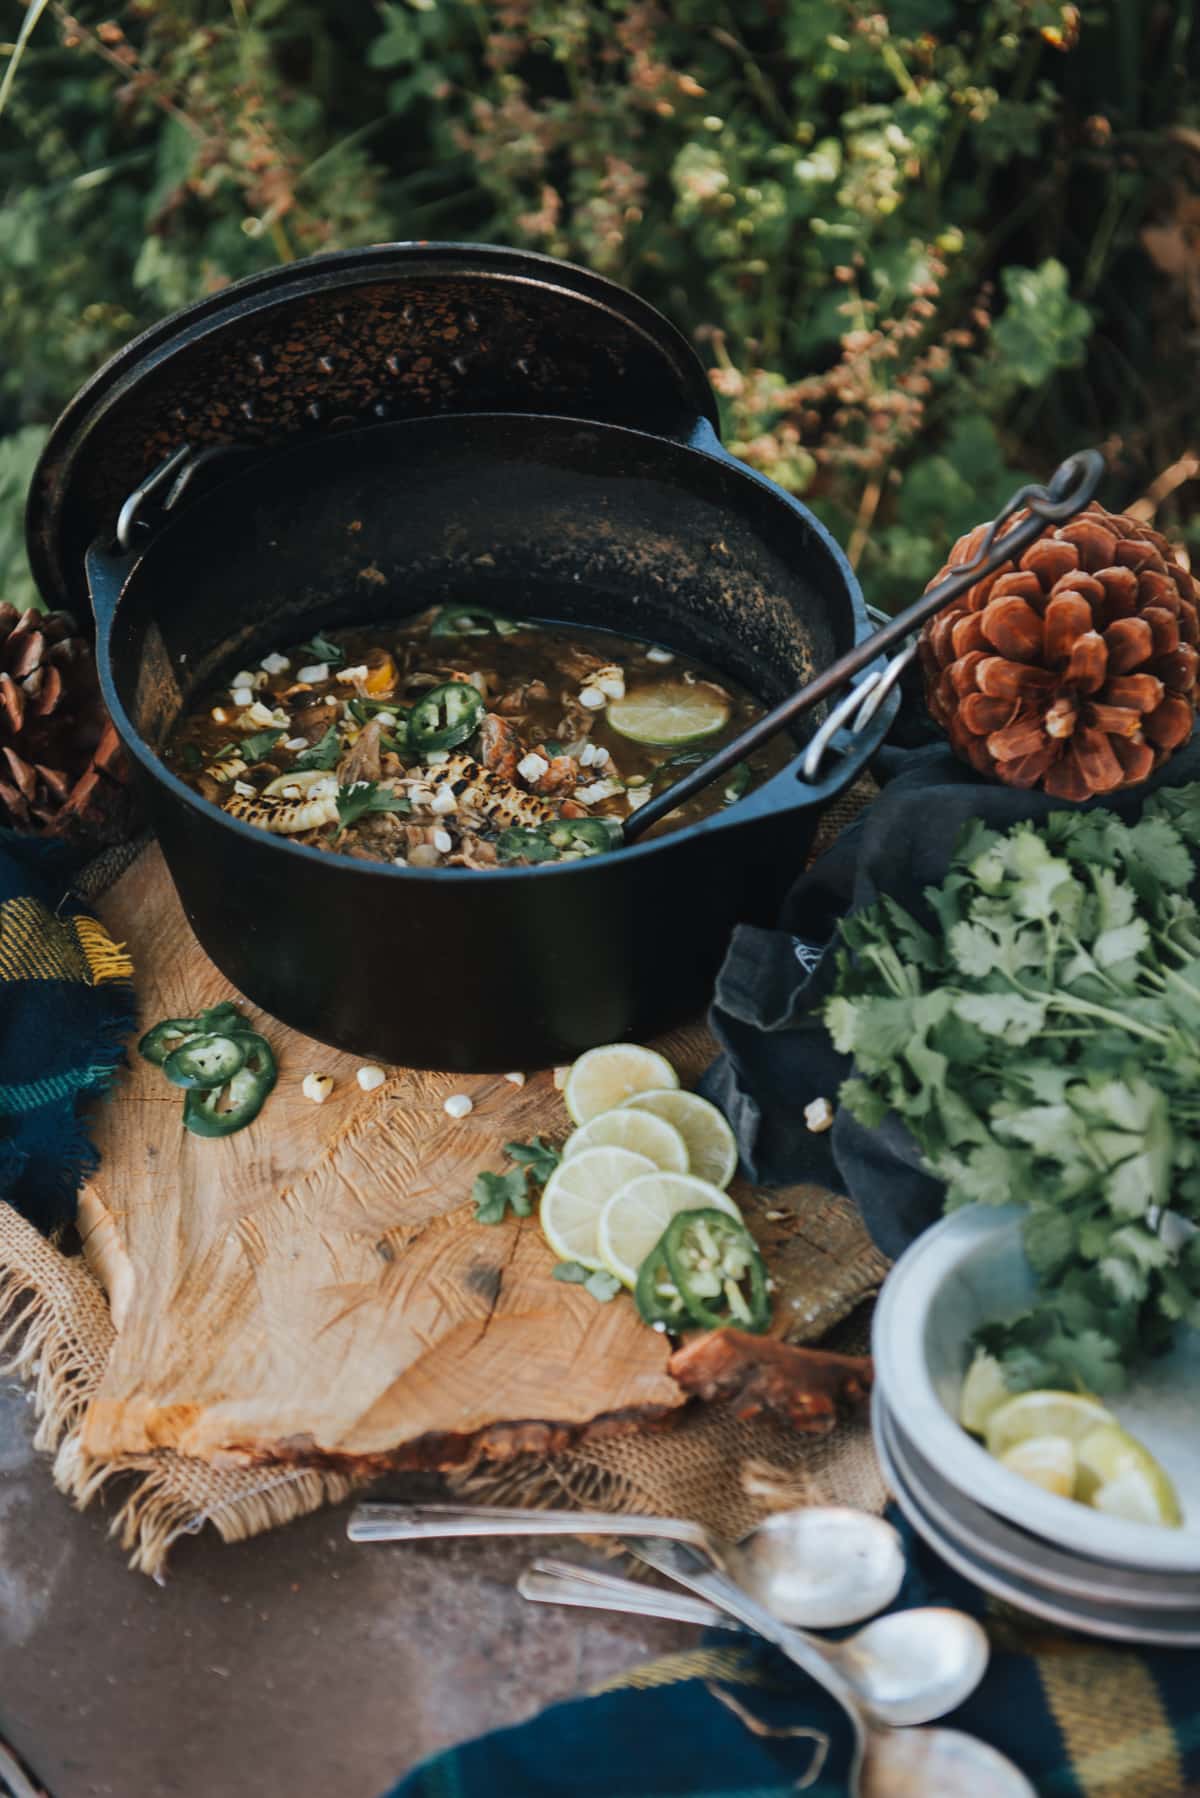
point(1116, 1471)
point(711, 1146)
point(636, 1216)
point(1140, 1497)
point(1044, 1413)
point(604, 1078)
point(640, 1131)
point(670, 713)
point(577, 1192)
point(1047, 1461)
point(984, 1391)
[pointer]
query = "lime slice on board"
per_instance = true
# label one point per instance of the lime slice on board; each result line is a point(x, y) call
point(636, 1216)
point(577, 1192)
point(604, 1078)
point(1044, 1413)
point(711, 1145)
point(1047, 1461)
point(640, 1131)
point(1118, 1474)
point(670, 713)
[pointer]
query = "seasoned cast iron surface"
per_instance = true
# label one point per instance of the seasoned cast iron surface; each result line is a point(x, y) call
point(387, 333)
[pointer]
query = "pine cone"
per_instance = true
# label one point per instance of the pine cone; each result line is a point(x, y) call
point(61, 766)
point(1076, 669)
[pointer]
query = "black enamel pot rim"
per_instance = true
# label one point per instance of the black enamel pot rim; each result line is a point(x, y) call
point(741, 812)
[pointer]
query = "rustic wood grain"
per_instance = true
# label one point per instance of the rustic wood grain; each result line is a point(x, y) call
point(316, 1285)
point(316, 1288)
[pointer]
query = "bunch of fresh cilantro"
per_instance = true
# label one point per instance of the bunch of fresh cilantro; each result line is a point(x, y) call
point(1042, 1044)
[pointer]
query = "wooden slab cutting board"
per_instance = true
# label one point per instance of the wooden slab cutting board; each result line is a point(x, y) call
point(317, 1287)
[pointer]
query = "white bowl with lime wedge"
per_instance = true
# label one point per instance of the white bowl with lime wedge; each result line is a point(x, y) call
point(969, 1270)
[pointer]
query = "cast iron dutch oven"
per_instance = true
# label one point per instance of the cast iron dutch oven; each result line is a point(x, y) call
point(364, 435)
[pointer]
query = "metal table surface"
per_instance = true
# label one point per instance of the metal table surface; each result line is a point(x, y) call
point(294, 1665)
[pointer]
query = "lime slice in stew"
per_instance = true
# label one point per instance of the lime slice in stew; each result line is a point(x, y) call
point(670, 713)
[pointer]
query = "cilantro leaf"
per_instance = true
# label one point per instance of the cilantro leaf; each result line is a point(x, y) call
point(537, 1156)
point(322, 650)
point(259, 743)
point(495, 1194)
point(321, 755)
point(364, 797)
point(602, 1286)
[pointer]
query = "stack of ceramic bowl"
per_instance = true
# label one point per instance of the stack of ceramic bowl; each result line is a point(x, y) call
point(1054, 1557)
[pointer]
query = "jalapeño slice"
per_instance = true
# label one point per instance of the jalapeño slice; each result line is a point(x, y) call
point(445, 717)
point(204, 1061)
point(222, 1110)
point(719, 1274)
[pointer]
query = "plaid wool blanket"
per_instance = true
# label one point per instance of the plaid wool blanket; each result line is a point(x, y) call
point(66, 1009)
point(1080, 1718)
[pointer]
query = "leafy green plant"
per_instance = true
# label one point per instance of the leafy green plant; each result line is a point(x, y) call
point(1039, 1042)
point(916, 244)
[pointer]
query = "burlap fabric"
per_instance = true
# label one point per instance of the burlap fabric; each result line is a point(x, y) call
point(56, 1333)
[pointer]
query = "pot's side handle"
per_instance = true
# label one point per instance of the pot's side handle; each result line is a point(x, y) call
point(845, 753)
point(107, 572)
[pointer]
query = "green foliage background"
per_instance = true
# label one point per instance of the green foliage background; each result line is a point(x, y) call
point(924, 247)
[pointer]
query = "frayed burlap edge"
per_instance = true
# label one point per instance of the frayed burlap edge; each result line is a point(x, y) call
point(56, 1334)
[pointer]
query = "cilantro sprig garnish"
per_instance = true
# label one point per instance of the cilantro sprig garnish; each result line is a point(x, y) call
point(260, 743)
point(322, 754)
point(363, 797)
point(322, 650)
point(496, 1194)
point(1037, 1034)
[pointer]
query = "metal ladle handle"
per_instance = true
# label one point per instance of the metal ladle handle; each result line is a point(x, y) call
point(1069, 489)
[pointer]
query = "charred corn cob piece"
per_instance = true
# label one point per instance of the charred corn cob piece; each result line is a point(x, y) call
point(290, 805)
point(489, 793)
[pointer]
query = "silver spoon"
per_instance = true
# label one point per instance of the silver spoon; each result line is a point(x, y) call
point(821, 1566)
point(886, 1763)
point(908, 1667)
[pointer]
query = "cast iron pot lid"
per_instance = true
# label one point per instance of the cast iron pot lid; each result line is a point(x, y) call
point(391, 331)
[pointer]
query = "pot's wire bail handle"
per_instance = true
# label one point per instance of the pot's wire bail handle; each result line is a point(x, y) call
point(1070, 488)
point(175, 475)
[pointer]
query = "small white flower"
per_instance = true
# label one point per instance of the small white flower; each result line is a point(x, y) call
point(244, 679)
point(242, 696)
point(515, 1079)
point(296, 743)
point(350, 675)
point(602, 758)
point(443, 841)
point(370, 1077)
point(275, 664)
point(588, 754)
point(593, 699)
point(443, 801)
point(317, 1087)
point(457, 1105)
point(818, 1115)
point(531, 767)
point(314, 673)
